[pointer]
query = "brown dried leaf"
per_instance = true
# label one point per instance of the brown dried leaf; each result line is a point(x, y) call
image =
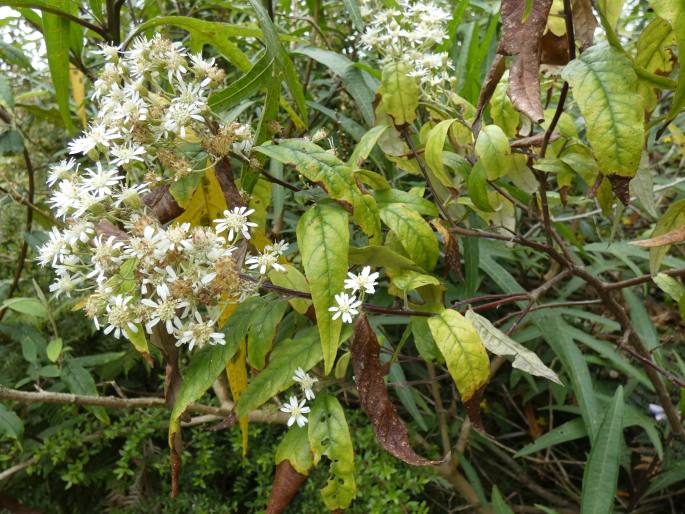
point(286, 483)
point(162, 203)
point(584, 22)
point(489, 85)
point(554, 49)
point(521, 37)
point(472, 406)
point(390, 432)
point(674, 236)
point(620, 187)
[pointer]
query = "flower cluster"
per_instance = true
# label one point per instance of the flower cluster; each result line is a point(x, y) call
point(298, 408)
point(139, 274)
point(410, 32)
point(348, 304)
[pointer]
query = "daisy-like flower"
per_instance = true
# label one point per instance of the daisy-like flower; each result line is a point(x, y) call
point(348, 306)
point(100, 181)
point(54, 250)
point(279, 247)
point(120, 316)
point(306, 383)
point(98, 136)
point(65, 283)
point(131, 195)
point(297, 410)
point(165, 310)
point(364, 281)
point(127, 154)
point(264, 262)
point(109, 52)
point(81, 231)
point(235, 221)
point(199, 333)
point(64, 170)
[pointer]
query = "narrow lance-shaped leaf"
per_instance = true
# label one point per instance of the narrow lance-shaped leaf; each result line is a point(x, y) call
point(56, 30)
point(323, 238)
point(463, 350)
point(605, 88)
point(390, 432)
point(601, 471)
point(329, 435)
point(501, 344)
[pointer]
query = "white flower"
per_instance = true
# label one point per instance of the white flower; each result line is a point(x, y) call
point(306, 382)
point(120, 316)
point(165, 310)
point(99, 136)
point(657, 411)
point(279, 247)
point(54, 250)
point(199, 333)
point(62, 171)
point(110, 52)
point(297, 411)
point(174, 239)
point(235, 221)
point(127, 153)
point(130, 195)
point(65, 283)
point(365, 281)
point(265, 262)
point(65, 199)
point(347, 307)
point(99, 182)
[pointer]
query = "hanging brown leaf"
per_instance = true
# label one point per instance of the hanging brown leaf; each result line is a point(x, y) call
point(554, 49)
point(674, 236)
point(620, 187)
point(491, 80)
point(373, 396)
point(584, 22)
point(521, 37)
point(286, 483)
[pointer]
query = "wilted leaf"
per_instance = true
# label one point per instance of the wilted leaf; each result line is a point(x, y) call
point(285, 485)
point(499, 343)
point(521, 36)
point(390, 432)
point(584, 22)
point(673, 218)
point(676, 235)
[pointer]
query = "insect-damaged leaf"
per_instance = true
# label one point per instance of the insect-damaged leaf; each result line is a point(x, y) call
point(522, 38)
point(390, 432)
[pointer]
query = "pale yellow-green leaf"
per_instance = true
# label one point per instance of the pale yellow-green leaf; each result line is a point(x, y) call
point(434, 150)
point(414, 233)
point(654, 55)
point(492, 146)
point(323, 238)
point(605, 88)
point(502, 110)
point(294, 447)
point(463, 350)
point(520, 174)
point(399, 92)
point(669, 285)
point(236, 372)
point(499, 343)
point(365, 145)
point(611, 9)
point(407, 280)
point(78, 92)
point(207, 203)
point(293, 279)
point(674, 217)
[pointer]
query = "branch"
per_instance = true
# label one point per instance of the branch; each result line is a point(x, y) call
point(114, 402)
point(53, 10)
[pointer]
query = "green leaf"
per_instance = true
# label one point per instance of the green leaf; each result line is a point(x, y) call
point(642, 187)
point(323, 238)
point(247, 85)
point(329, 436)
point(292, 278)
point(478, 187)
point(262, 331)
point(12, 55)
point(673, 218)
point(30, 306)
point(366, 143)
point(209, 32)
point(183, 189)
point(569, 431)
point(411, 200)
point(11, 425)
point(56, 32)
point(380, 257)
point(674, 475)
point(414, 233)
point(280, 56)
point(669, 285)
point(399, 92)
point(408, 280)
point(605, 88)
point(53, 349)
point(499, 504)
point(289, 354)
point(502, 110)
point(463, 350)
point(80, 381)
point(294, 447)
point(492, 146)
point(611, 9)
point(435, 143)
point(601, 472)
point(499, 343)
point(353, 10)
point(6, 93)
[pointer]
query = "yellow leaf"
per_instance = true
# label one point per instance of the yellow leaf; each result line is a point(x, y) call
point(207, 203)
point(78, 91)
point(223, 317)
point(237, 380)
